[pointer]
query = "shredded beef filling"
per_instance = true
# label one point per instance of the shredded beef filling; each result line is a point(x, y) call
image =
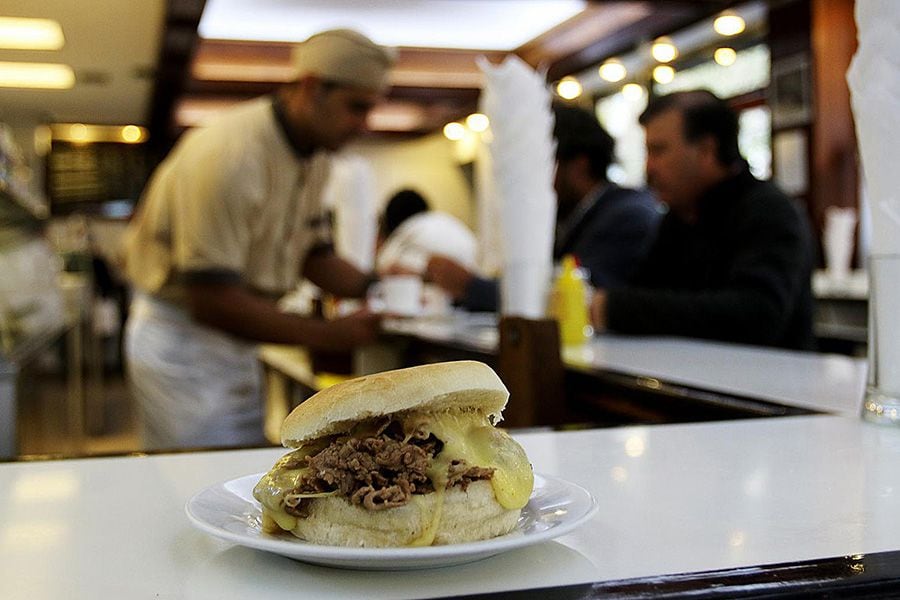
point(379, 472)
point(462, 475)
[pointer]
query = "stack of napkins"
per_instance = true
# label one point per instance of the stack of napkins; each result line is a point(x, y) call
point(874, 79)
point(351, 192)
point(517, 102)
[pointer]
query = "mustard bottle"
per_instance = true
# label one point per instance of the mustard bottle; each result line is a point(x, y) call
point(568, 303)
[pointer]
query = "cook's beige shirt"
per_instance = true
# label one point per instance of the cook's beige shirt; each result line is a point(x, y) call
point(232, 201)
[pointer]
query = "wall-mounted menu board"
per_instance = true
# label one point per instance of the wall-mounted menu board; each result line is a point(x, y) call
point(81, 176)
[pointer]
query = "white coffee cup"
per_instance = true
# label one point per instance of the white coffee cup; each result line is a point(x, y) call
point(401, 295)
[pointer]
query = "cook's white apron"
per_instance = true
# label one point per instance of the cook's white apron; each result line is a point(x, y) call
point(194, 386)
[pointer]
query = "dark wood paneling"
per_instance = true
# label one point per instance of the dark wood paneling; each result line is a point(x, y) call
point(824, 32)
point(176, 49)
point(834, 179)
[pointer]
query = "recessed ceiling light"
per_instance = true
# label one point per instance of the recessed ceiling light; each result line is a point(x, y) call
point(36, 75)
point(569, 88)
point(663, 74)
point(30, 34)
point(454, 131)
point(725, 56)
point(728, 24)
point(477, 122)
point(613, 70)
point(663, 50)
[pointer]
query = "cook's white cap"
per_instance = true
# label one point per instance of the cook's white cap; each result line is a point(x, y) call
point(344, 56)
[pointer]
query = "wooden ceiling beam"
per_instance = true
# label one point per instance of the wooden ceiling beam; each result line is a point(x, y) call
point(663, 18)
point(596, 22)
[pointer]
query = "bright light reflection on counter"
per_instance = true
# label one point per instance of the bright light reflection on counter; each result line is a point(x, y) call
point(619, 474)
point(34, 535)
point(634, 446)
point(51, 486)
point(736, 539)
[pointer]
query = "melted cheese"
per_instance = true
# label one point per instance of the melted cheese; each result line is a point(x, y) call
point(271, 488)
point(428, 535)
point(477, 442)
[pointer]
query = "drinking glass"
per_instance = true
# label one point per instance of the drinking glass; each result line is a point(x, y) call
point(882, 400)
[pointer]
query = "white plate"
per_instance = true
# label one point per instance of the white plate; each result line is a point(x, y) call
point(229, 511)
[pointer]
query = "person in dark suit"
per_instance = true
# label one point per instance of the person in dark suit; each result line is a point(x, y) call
point(606, 227)
point(733, 256)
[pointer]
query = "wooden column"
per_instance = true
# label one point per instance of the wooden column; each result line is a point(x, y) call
point(531, 367)
point(823, 33)
point(834, 180)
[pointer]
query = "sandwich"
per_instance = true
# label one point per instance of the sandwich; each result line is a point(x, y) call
point(408, 457)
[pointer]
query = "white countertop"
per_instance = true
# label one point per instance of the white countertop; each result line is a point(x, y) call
point(824, 382)
point(674, 498)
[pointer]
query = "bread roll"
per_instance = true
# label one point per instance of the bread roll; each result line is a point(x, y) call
point(442, 386)
point(472, 486)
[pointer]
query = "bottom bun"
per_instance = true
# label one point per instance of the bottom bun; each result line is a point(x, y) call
point(466, 516)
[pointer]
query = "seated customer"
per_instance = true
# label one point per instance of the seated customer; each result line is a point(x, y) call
point(411, 233)
point(733, 256)
point(606, 227)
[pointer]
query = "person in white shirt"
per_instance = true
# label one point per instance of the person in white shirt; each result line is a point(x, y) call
point(413, 234)
point(230, 221)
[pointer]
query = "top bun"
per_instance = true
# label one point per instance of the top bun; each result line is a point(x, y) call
point(442, 386)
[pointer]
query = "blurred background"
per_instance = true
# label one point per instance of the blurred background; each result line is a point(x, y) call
point(94, 94)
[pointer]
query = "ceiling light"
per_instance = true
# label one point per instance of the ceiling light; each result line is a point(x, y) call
point(477, 122)
point(407, 23)
point(569, 88)
point(30, 34)
point(36, 75)
point(613, 70)
point(729, 24)
point(78, 132)
point(725, 56)
point(633, 91)
point(663, 50)
point(663, 74)
point(454, 131)
point(397, 116)
point(132, 134)
point(211, 70)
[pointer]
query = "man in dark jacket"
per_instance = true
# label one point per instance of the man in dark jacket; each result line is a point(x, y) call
point(733, 257)
point(606, 227)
